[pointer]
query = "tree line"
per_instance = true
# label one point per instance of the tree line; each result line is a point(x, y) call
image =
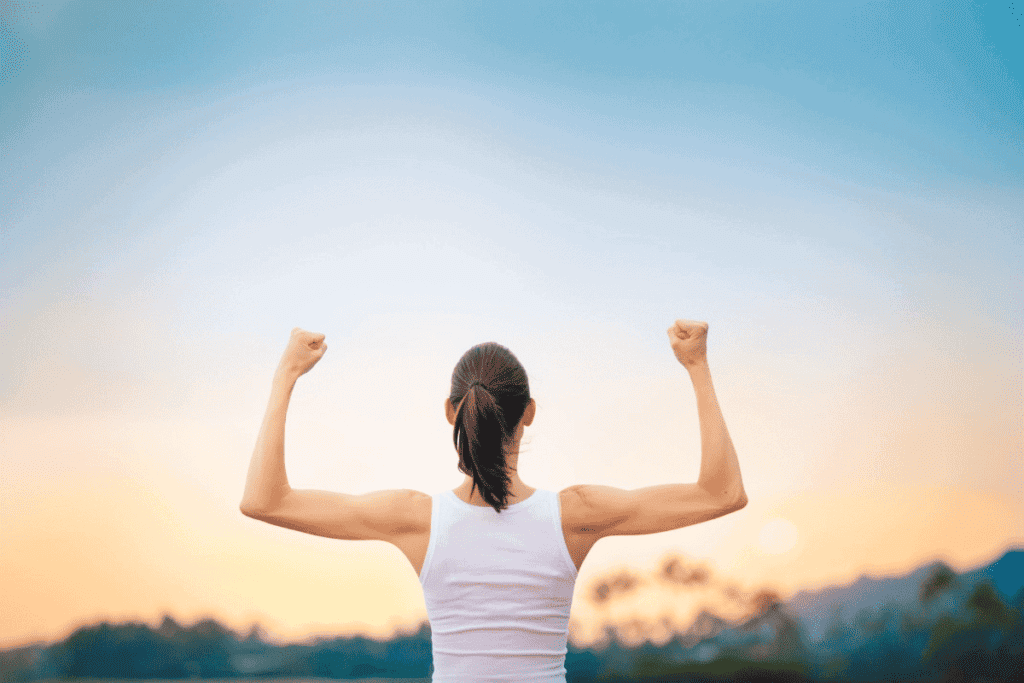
point(949, 631)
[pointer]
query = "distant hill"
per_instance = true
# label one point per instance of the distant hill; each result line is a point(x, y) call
point(1006, 574)
point(815, 609)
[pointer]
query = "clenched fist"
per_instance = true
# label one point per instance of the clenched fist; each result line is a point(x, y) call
point(689, 341)
point(302, 353)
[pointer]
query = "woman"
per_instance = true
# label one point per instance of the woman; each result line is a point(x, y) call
point(497, 558)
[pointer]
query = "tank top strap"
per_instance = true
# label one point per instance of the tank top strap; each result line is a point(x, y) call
point(555, 507)
point(440, 520)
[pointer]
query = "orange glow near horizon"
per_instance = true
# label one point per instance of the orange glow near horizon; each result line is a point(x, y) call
point(156, 562)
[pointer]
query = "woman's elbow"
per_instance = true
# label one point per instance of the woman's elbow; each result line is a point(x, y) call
point(250, 509)
point(261, 506)
point(734, 503)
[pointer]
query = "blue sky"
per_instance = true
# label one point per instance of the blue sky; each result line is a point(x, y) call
point(801, 114)
point(914, 98)
point(835, 187)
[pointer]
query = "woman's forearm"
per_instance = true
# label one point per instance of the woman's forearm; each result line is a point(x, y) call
point(719, 467)
point(267, 481)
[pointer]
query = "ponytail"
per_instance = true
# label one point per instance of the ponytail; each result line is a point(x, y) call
point(480, 435)
point(490, 388)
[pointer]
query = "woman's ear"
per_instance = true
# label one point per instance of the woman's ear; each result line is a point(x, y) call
point(449, 411)
point(529, 413)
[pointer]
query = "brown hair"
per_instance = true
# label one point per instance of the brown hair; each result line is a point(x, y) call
point(490, 393)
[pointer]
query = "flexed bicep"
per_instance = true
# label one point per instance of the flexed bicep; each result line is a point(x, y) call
point(610, 511)
point(379, 515)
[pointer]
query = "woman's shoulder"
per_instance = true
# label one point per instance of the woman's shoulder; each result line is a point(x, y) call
point(595, 508)
point(418, 507)
point(577, 495)
point(573, 501)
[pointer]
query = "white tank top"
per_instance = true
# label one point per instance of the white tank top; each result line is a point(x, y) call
point(498, 588)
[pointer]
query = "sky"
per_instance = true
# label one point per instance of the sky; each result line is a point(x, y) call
point(836, 188)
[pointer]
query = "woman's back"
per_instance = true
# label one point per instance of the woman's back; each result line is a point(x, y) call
point(498, 589)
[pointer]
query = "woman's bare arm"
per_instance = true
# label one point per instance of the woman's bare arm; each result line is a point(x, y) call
point(267, 482)
point(719, 467)
point(608, 511)
point(381, 515)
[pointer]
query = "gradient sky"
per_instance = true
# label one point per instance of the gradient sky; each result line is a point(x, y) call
point(837, 188)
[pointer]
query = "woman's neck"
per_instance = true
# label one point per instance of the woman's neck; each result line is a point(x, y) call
point(517, 491)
